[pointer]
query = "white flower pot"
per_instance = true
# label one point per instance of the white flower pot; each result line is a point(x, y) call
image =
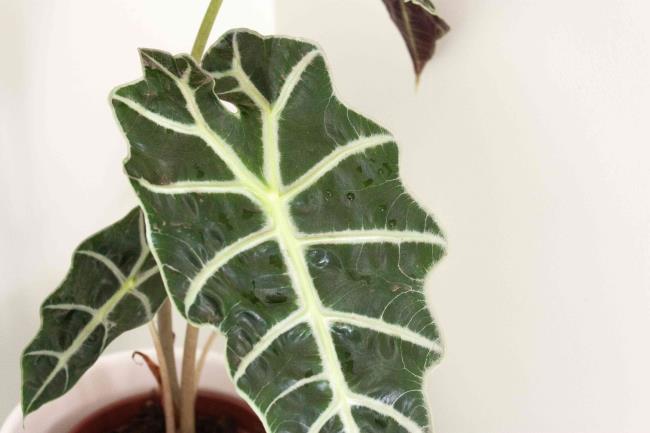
point(113, 378)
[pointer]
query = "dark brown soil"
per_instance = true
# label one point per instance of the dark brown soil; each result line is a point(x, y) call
point(215, 413)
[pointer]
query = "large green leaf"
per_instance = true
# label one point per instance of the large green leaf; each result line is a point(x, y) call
point(284, 224)
point(113, 286)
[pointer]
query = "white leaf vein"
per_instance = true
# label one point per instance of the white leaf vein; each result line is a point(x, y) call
point(196, 187)
point(158, 119)
point(295, 386)
point(329, 162)
point(386, 410)
point(106, 262)
point(222, 257)
point(370, 236)
point(379, 325)
point(284, 325)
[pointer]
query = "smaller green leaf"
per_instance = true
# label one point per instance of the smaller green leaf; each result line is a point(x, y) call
point(113, 286)
point(420, 26)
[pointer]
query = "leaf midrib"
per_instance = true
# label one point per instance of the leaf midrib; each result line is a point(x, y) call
point(294, 255)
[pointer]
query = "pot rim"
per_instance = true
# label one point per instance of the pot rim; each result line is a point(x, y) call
point(14, 422)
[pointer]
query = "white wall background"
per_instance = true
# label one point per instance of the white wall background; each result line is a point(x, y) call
point(528, 138)
point(60, 149)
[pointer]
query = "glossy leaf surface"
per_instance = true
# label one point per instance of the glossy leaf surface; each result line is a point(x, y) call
point(113, 286)
point(279, 218)
point(420, 26)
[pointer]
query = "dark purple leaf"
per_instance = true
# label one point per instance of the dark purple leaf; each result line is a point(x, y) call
point(420, 27)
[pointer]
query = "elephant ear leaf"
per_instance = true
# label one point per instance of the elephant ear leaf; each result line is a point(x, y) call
point(420, 26)
point(113, 286)
point(278, 216)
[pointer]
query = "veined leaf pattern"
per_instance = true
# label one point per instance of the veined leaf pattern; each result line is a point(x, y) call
point(113, 286)
point(278, 216)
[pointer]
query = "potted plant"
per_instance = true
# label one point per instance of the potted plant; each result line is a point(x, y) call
point(271, 213)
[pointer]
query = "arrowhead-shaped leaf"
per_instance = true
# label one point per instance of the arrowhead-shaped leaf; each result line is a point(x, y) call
point(113, 286)
point(285, 225)
point(420, 26)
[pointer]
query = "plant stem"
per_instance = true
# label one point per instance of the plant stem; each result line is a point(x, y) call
point(167, 400)
point(188, 379)
point(205, 29)
point(166, 335)
point(204, 355)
